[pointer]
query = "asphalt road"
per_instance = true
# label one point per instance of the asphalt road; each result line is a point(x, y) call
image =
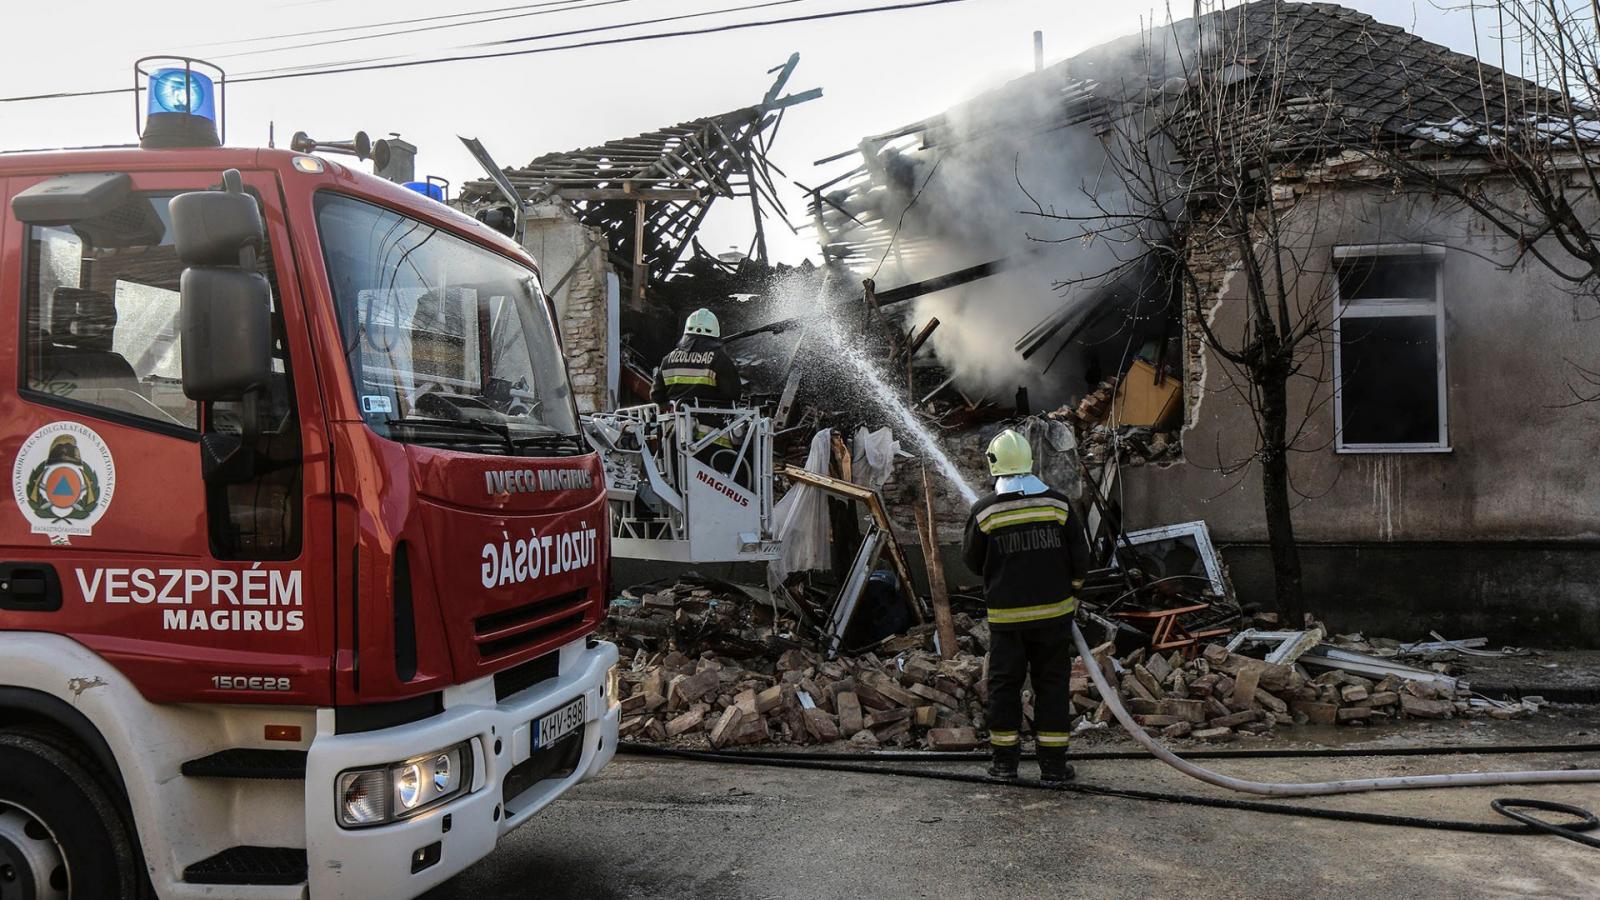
point(654, 828)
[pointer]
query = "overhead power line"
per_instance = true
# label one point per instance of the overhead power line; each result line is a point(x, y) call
point(404, 64)
point(550, 36)
point(696, 15)
point(422, 29)
point(344, 28)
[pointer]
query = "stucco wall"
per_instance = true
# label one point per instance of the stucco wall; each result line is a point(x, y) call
point(1522, 463)
point(1523, 471)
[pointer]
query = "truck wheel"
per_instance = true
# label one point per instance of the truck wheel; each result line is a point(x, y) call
point(61, 836)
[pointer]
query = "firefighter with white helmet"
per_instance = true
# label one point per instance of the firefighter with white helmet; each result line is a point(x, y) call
point(1024, 542)
point(698, 370)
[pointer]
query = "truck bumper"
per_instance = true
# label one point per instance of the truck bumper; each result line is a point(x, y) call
point(406, 858)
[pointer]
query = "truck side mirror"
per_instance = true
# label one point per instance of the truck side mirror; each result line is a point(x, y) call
point(225, 305)
point(69, 199)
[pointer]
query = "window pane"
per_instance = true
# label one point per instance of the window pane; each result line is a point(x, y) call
point(1389, 380)
point(440, 329)
point(1386, 277)
point(102, 313)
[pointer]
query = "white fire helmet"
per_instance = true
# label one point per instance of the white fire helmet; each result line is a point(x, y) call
point(703, 321)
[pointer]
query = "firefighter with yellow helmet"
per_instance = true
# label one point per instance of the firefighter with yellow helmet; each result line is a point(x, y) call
point(1024, 542)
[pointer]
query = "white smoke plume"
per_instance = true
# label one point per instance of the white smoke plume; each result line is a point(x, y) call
point(962, 197)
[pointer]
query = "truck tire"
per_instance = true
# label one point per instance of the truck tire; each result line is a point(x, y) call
point(61, 834)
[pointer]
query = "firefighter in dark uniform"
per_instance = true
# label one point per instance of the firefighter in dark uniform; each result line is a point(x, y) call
point(1024, 542)
point(698, 370)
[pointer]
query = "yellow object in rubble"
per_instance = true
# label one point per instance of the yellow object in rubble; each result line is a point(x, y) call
point(1145, 396)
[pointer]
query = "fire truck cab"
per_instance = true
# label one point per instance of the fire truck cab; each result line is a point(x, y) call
point(305, 548)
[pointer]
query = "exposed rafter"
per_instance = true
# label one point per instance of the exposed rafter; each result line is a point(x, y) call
point(649, 193)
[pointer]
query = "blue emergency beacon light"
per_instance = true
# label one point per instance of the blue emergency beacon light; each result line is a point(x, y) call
point(181, 102)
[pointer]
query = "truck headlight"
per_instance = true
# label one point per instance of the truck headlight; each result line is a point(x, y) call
point(408, 786)
point(382, 794)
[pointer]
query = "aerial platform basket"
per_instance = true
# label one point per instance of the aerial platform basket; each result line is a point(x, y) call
point(690, 484)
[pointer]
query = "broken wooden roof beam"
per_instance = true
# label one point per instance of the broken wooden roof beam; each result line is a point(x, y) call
point(950, 279)
point(649, 193)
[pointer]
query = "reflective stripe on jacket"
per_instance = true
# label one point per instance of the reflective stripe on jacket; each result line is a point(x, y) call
point(1028, 550)
point(697, 370)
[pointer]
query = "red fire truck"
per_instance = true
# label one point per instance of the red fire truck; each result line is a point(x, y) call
point(297, 588)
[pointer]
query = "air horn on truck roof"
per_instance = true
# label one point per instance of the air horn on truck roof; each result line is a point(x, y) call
point(360, 146)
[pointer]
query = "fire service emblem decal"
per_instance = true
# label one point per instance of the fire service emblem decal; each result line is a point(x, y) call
point(63, 479)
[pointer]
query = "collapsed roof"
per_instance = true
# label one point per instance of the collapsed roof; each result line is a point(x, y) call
point(649, 193)
point(1340, 76)
point(1381, 77)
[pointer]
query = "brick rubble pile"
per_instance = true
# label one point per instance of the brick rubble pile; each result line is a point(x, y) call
point(1218, 695)
point(715, 668)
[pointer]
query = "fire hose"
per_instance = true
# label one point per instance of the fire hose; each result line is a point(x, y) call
point(1509, 807)
point(1316, 788)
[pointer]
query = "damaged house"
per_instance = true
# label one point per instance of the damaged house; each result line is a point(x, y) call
point(614, 228)
point(1071, 226)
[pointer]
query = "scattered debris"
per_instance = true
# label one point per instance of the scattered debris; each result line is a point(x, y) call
point(1290, 645)
point(696, 614)
point(714, 663)
point(902, 695)
point(1220, 694)
point(1130, 445)
point(1109, 430)
point(1328, 656)
point(1092, 409)
point(1469, 647)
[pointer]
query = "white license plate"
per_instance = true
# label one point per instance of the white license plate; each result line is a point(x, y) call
point(554, 726)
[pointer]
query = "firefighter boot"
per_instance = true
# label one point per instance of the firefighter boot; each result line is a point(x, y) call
point(1003, 764)
point(1053, 766)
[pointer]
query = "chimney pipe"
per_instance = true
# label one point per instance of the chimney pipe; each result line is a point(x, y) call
point(1038, 51)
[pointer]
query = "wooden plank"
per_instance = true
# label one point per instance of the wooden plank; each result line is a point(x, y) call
point(761, 233)
point(791, 388)
point(841, 455)
point(953, 279)
point(784, 71)
point(928, 530)
point(652, 195)
point(640, 274)
point(795, 99)
point(880, 515)
point(921, 337)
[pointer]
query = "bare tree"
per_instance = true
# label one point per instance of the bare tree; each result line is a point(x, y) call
point(1199, 139)
point(1524, 153)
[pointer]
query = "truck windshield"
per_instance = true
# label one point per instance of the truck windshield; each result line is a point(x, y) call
point(448, 344)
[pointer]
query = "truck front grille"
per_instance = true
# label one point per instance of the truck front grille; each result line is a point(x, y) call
point(520, 627)
point(522, 676)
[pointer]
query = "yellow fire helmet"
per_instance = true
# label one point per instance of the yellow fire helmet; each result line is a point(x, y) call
point(703, 321)
point(1010, 454)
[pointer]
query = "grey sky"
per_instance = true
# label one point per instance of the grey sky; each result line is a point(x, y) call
point(877, 71)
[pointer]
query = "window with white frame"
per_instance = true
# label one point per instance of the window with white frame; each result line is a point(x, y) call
point(1388, 349)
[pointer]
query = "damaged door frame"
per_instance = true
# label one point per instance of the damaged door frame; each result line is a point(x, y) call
point(880, 517)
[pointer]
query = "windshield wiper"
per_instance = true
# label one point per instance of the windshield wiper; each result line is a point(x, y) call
point(499, 432)
point(553, 441)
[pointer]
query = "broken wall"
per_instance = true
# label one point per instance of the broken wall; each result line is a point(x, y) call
point(575, 274)
point(1499, 534)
